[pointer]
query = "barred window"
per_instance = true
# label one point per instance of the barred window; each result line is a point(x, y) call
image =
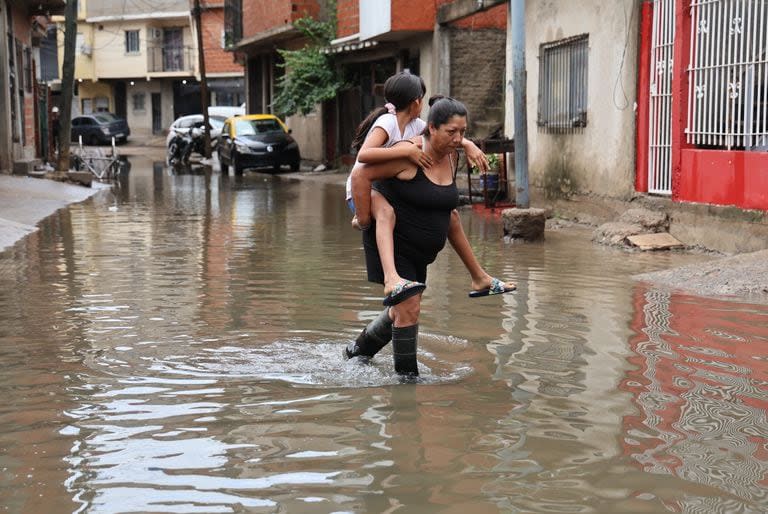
point(728, 75)
point(563, 68)
point(138, 102)
point(131, 41)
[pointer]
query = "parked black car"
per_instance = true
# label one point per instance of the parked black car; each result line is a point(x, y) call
point(257, 141)
point(99, 128)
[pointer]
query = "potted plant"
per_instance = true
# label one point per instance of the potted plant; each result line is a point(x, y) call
point(487, 180)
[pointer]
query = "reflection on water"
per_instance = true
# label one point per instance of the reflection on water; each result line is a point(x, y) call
point(175, 346)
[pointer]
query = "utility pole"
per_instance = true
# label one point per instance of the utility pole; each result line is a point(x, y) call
point(519, 76)
point(67, 85)
point(197, 13)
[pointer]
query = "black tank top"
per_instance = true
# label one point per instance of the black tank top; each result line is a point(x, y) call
point(422, 214)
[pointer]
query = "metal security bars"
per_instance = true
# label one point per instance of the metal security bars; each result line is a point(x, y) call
point(728, 74)
point(233, 22)
point(563, 84)
point(660, 113)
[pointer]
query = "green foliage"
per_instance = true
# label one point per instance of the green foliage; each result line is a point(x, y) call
point(493, 163)
point(310, 75)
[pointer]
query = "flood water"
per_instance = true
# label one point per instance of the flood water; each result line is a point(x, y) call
point(176, 346)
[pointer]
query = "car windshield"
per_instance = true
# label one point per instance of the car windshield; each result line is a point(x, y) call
point(252, 127)
point(104, 117)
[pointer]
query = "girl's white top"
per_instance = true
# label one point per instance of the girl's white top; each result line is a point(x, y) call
point(388, 122)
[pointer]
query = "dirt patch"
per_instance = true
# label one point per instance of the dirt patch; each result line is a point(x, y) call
point(743, 276)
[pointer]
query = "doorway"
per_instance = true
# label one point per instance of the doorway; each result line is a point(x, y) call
point(157, 113)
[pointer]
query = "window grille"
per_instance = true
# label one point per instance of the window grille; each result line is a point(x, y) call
point(131, 41)
point(728, 74)
point(139, 102)
point(233, 22)
point(563, 84)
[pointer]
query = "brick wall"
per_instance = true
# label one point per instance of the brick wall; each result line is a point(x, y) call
point(347, 17)
point(477, 76)
point(264, 15)
point(217, 60)
point(493, 18)
point(410, 15)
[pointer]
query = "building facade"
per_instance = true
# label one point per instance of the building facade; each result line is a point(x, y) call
point(374, 39)
point(23, 97)
point(255, 31)
point(140, 61)
point(662, 97)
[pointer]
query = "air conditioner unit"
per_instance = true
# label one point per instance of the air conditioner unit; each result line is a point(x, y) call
point(156, 33)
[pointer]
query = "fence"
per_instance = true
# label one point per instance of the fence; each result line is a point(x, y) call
point(728, 74)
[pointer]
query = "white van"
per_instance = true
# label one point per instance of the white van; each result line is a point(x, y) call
point(222, 111)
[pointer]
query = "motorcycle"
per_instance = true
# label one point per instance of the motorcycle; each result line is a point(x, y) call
point(184, 143)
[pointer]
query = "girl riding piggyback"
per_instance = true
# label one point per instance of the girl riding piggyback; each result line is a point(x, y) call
point(376, 142)
point(398, 120)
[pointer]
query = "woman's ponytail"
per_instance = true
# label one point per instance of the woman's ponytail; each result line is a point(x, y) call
point(365, 126)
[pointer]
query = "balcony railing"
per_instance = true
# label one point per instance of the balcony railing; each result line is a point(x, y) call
point(171, 58)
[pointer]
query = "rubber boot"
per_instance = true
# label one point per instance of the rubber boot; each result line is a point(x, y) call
point(404, 350)
point(373, 338)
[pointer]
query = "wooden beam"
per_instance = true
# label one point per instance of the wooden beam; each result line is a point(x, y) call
point(460, 9)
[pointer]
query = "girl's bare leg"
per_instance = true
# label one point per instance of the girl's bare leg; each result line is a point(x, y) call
point(384, 215)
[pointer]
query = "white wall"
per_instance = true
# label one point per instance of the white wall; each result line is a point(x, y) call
point(308, 133)
point(601, 158)
point(140, 121)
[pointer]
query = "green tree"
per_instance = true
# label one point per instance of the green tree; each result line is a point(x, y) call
point(310, 75)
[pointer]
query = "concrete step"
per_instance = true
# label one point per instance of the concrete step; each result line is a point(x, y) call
point(24, 166)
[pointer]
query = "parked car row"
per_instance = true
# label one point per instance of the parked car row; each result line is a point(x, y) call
point(244, 141)
point(241, 141)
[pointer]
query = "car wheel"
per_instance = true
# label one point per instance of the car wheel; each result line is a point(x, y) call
point(295, 165)
point(236, 164)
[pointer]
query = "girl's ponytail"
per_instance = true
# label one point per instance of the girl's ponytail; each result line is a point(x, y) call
point(365, 126)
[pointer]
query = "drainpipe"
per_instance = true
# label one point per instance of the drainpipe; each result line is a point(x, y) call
point(517, 19)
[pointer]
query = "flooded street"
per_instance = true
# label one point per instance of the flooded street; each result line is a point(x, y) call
point(176, 346)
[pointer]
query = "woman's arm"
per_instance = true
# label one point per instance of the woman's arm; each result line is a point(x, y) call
point(363, 176)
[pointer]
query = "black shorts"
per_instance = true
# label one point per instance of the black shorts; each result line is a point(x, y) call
point(407, 267)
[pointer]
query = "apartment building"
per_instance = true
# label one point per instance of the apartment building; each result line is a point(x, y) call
point(140, 61)
point(23, 121)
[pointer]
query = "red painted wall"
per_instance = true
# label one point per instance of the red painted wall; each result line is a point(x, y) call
point(262, 15)
point(724, 177)
point(643, 96)
point(680, 63)
point(717, 177)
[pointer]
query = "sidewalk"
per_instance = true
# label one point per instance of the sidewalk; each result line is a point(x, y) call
point(25, 201)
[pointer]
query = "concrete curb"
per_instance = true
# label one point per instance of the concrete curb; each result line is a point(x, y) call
point(24, 202)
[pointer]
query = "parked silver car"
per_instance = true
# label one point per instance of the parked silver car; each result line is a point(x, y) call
point(185, 123)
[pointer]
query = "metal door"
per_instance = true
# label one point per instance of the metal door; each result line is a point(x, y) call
point(157, 114)
point(660, 126)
